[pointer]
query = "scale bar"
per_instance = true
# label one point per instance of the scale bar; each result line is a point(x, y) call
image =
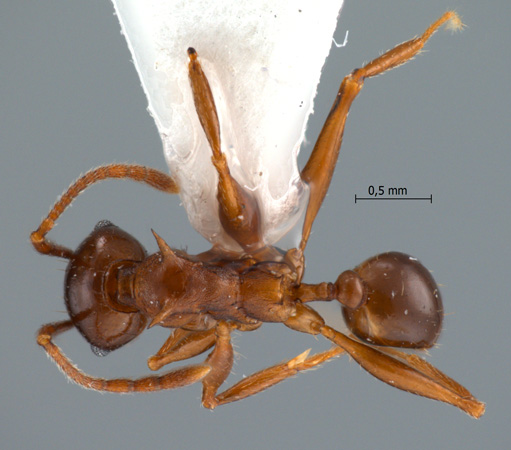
point(430, 198)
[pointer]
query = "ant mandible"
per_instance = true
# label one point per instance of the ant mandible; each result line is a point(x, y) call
point(113, 290)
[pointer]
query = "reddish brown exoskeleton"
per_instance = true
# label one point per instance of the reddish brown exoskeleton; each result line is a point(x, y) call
point(114, 290)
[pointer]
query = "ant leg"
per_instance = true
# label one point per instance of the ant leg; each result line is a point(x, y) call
point(170, 380)
point(220, 360)
point(320, 167)
point(271, 376)
point(408, 372)
point(182, 344)
point(142, 174)
point(398, 369)
point(239, 212)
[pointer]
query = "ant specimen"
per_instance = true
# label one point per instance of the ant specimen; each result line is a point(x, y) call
point(114, 290)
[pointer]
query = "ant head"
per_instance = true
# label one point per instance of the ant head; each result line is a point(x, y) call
point(403, 308)
point(92, 290)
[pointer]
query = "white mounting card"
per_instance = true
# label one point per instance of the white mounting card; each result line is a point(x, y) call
point(263, 60)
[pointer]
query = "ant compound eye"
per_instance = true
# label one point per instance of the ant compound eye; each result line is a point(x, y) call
point(403, 308)
point(103, 224)
point(99, 351)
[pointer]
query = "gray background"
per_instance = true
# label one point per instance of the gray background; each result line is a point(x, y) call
point(71, 100)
